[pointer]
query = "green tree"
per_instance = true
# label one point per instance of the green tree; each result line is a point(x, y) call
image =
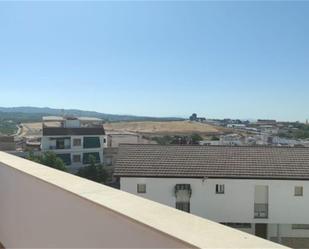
point(49, 159)
point(195, 138)
point(94, 172)
point(214, 138)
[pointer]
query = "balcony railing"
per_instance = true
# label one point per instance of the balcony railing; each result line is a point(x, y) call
point(42, 207)
point(261, 210)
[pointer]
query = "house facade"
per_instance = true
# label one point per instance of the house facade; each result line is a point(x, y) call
point(74, 140)
point(259, 190)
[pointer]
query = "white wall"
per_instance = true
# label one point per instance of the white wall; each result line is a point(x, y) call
point(34, 213)
point(41, 207)
point(236, 205)
point(285, 230)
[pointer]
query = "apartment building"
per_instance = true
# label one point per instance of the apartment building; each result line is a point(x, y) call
point(260, 190)
point(74, 139)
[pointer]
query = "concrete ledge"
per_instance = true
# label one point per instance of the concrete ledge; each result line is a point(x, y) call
point(69, 199)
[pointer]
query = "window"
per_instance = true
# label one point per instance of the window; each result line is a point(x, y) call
point(300, 226)
point(298, 191)
point(87, 156)
point(66, 158)
point(77, 142)
point(60, 144)
point(76, 158)
point(183, 206)
point(141, 188)
point(92, 142)
point(219, 188)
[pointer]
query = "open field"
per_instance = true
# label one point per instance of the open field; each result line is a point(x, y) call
point(143, 127)
point(30, 129)
point(164, 128)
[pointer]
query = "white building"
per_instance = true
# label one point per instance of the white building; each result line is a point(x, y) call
point(73, 139)
point(114, 138)
point(260, 190)
point(229, 139)
point(42, 207)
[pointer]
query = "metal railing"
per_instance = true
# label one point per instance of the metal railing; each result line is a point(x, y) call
point(261, 210)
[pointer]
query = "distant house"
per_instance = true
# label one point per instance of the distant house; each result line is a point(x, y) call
point(236, 126)
point(74, 139)
point(259, 190)
point(269, 129)
point(266, 122)
point(116, 138)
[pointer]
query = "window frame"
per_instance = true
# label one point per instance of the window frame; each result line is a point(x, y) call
point(300, 193)
point(220, 189)
point(77, 139)
point(141, 190)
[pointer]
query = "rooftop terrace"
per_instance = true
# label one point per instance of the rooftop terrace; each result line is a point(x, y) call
point(43, 207)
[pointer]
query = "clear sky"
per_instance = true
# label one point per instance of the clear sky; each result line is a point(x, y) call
point(219, 59)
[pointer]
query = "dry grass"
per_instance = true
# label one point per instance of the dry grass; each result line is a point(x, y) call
point(31, 129)
point(145, 127)
point(173, 127)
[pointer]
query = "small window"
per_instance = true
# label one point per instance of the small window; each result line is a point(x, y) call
point(298, 191)
point(77, 158)
point(219, 188)
point(77, 142)
point(300, 226)
point(141, 188)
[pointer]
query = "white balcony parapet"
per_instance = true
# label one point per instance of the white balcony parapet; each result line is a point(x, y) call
point(43, 207)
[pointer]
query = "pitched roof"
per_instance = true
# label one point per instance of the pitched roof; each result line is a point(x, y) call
point(212, 161)
point(58, 131)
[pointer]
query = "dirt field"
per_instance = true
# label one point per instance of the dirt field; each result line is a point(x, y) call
point(146, 127)
point(173, 127)
point(30, 129)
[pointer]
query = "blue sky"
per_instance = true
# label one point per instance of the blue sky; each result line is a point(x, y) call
point(219, 59)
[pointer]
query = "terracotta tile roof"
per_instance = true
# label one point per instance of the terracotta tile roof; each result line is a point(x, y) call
point(212, 161)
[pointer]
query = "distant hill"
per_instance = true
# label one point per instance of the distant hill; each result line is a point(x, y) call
point(36, 113)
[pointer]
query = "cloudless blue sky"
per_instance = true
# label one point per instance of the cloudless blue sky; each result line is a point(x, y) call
point(219, 59)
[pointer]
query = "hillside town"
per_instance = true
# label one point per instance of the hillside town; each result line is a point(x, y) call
point(243, 158)
point(154, 124)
